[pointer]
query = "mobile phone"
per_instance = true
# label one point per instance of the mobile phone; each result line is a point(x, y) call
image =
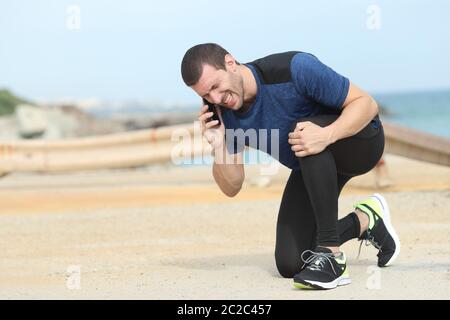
point(212, 108)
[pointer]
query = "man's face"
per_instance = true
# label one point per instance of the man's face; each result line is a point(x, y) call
point(222, 87)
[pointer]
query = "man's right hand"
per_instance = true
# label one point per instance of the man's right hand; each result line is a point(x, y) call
point(214, 134)
point(228, 170)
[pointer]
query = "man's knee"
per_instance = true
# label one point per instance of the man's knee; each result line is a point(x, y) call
point(320, 120)
point(287, 271)
point(287, 265)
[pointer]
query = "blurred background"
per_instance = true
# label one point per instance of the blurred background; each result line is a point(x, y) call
point(94, 113)
point(97, 67)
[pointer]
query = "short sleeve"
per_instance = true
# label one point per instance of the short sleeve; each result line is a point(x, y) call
point(318, 82)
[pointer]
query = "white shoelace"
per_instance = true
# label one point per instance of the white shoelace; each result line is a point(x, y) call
point(369, 241)
point(317, 260)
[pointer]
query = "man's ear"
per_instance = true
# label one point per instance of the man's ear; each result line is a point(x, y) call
point(230, 62)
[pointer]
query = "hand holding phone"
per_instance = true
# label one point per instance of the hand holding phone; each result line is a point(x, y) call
point(213, 132)
point(212, 108)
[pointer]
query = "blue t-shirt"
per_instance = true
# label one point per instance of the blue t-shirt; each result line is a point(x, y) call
point(290, 86)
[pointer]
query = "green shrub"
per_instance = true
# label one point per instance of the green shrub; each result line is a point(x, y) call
point(8, 102)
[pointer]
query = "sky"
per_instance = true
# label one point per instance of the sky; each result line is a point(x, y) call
point(132, 50)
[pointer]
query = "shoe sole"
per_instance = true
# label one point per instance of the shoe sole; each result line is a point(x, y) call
point(305, 284)
point(389, 227)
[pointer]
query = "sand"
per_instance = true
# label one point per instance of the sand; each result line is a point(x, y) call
point(168, 233)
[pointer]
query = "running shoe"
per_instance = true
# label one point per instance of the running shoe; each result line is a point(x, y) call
point(380, 233)
point(322, 270)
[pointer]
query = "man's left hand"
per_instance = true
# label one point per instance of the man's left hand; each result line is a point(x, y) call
point(309, 138)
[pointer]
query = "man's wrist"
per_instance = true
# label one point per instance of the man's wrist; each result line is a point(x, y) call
point(331, 134)
point(218, 153)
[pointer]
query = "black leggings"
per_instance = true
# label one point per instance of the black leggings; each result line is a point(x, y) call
point(309, 207)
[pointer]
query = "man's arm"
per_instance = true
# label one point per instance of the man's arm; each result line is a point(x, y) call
point(228, 168)
point(322, 84)
point(358, 110)
point(228, 171)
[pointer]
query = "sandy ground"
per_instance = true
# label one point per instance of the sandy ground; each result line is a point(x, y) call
point(168, 233)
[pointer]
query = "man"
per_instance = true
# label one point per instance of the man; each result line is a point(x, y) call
point(328, 132)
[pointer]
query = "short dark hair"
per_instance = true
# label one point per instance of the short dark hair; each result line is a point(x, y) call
point(194, 59)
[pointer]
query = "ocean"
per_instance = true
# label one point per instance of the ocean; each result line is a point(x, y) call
point(426, 111)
